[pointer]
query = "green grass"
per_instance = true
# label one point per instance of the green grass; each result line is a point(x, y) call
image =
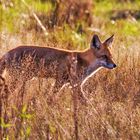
point(69, 37)
point(123, 27)
point(38, 6)
point(12, 15)
point(105, 6)
point(11, 19)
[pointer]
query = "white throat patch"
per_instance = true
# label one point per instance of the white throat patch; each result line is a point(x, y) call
point(84, 81)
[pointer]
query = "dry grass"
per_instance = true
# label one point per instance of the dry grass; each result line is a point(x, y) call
point(113, 108)
point(112, 111)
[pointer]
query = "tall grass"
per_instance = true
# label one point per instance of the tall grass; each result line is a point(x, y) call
point(113, 107)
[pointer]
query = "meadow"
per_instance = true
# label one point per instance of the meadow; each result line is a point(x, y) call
point(113, 108)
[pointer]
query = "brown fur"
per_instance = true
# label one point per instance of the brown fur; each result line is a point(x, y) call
point(63, 65)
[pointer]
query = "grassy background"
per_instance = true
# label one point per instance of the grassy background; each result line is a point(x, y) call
point(114, 96)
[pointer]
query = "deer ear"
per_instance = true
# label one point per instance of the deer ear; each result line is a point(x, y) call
point(109, 40)
point(95, 42)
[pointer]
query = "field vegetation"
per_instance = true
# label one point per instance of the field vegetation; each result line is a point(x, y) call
point(113, 108)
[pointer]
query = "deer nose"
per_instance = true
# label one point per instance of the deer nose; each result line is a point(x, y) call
point(114, 65)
